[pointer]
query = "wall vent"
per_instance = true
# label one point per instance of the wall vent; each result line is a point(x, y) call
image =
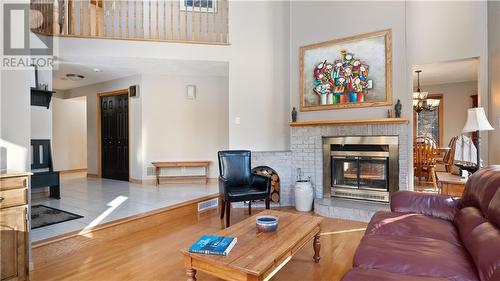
point(209, 204)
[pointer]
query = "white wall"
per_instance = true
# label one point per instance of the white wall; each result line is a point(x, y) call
point(178, 129)
point(41, 122)
point(135, 110)
point(41, 117)
point(258, 57)
point(309, 24)
point(69, 142)
point(445, 31)
point(15, 120)
point(494, 75)
point(170, 127)
point(456, 101)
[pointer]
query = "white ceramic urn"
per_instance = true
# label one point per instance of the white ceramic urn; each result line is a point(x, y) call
point(304, 196)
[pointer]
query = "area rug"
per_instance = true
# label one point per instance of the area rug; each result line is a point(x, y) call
point(42, 215)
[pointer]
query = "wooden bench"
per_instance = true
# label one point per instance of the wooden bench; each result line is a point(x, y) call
point(177, 164)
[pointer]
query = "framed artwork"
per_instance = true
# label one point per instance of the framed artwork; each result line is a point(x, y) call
point(350, 72)
point(209, 6)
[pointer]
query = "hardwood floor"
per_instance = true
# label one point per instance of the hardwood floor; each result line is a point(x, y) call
point(153, 253)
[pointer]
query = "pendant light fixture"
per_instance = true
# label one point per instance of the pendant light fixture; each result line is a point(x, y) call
point(420, 100)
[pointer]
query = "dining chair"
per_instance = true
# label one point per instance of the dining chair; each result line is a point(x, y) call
point(424, 159)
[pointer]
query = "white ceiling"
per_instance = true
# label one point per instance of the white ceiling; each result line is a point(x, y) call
point(447, 72)
point(114, 68)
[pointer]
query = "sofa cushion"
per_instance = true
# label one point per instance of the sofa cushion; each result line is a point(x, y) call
point(483, 244)
point(480, 189)
point(494, 209)
point(467, 219)
point(419, 256)
point(361, 274)
point(416, 225)
point(434, 205)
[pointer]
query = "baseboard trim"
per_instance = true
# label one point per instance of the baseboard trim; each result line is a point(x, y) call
point(92, 175)
point(70, 171)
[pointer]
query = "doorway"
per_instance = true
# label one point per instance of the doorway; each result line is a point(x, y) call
point(442, 94)
point(114, 135)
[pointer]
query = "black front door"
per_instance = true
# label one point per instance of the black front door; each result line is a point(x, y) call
point(114, 137)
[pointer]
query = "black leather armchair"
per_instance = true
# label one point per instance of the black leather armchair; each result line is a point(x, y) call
point(237, 183)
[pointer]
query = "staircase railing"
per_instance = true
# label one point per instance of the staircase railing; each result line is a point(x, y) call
point(182, 21)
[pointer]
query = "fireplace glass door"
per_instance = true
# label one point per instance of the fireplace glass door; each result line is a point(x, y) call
point(345, 172)
point(373, 173)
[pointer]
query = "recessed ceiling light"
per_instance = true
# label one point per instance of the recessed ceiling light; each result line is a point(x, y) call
point(74, 77)
point(97, 70)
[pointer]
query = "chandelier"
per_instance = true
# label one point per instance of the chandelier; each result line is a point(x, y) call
point(420, 100)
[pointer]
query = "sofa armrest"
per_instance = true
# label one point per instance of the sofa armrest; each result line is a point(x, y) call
point(434, 205)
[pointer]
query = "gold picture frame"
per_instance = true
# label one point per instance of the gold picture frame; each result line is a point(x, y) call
point(311, 56)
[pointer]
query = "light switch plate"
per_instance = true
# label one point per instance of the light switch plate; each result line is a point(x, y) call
point(237, 120)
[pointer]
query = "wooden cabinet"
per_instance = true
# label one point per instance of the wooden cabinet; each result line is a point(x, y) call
point(452, 185)
point(14, 226)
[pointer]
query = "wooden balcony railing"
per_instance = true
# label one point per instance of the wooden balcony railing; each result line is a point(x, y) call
point(182, 21)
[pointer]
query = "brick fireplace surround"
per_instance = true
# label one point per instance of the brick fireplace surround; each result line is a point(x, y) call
point(306, 153)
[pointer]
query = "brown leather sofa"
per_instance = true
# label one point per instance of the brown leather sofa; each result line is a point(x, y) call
point(430, 237)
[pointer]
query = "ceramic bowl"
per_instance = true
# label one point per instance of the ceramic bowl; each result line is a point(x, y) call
point(266, 223)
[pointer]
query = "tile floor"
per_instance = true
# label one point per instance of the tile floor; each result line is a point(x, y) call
point(103, 200)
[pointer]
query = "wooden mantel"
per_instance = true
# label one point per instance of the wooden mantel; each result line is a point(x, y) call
point(350, 122)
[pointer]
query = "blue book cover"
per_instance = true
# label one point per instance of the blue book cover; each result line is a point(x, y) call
point(213, 245)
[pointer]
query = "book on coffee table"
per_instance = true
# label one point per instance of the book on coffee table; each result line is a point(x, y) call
point(213, 245)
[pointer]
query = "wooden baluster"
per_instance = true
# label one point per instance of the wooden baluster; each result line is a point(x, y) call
point(226, 27)
point(185, 21)
point(65, 18)
point(157, 21)
point(207, 37)
point(171, 20)
point(149, 26)
point(192, 21)
point(126, 20)
point(104, 19)
point(178, 19)
point(71, 17)
point(80, 32)
point(120, 32)
point(221, 27)
point(135, 18)
point(165, 19)
point(199, 20)
point(56, 24)
point(142, 19)
point(214, 18)
point(89, 13)
point(113, 19)
point(97, 19)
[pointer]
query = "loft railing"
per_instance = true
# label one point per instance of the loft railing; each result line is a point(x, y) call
point(182, 21)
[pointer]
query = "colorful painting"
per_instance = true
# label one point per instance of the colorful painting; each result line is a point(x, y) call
point(348, 72)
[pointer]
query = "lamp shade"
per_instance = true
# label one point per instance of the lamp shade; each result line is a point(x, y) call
point(476, 121)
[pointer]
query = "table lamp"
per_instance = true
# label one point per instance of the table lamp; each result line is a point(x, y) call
point(477, 122)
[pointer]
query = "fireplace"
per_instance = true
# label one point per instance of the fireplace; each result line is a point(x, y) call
point(360, 167)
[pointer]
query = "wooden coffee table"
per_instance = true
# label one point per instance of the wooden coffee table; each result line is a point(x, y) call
point(258, 256)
